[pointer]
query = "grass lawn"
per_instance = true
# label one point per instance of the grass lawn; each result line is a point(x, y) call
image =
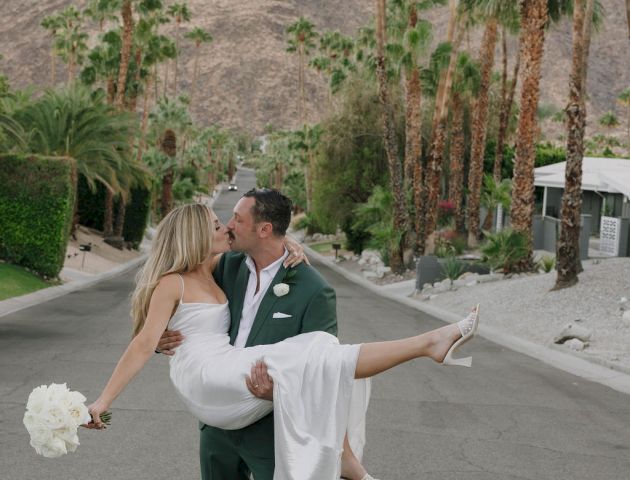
point(15, 281)
point(322, 247)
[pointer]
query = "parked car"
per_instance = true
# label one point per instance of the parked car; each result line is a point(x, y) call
point(232, 187)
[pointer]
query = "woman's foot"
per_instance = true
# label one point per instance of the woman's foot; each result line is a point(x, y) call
point(351, 468)
point(447, 339)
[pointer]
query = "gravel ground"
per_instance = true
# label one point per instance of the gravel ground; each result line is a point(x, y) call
point(525, 307)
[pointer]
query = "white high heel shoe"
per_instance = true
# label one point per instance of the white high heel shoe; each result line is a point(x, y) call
point(368, 477)
point(468, 328)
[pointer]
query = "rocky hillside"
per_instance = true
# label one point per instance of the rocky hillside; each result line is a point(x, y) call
point(248, 80)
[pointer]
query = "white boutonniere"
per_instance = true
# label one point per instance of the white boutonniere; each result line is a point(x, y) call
point(281, 289)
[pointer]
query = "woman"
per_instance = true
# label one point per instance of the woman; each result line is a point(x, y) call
point(313, 374)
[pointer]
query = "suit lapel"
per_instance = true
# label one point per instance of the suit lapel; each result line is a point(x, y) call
point(266, 305)
point(240, 288)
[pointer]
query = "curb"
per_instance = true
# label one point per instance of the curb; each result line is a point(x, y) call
point(580, 367)
point(15, 304)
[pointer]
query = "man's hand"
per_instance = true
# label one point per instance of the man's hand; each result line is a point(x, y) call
point(169, 341)
point(259, 383)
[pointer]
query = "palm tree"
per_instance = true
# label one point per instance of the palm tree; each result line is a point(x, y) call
point(507, 101)
point(71, 41)
point(628, 16)
point(125, 52)
point(491, 12)
point(399, 217)
point(495, 194)
point(306, 142)
point(466, 79)
point(534, 18)
point(624, 99)
point(169, 148)
point(181, 13)
point(52, 23)
point(301, 36)
point(102, 11)
point(75, 123)
point(438, 131)
point(199, 36)
point(568, 261)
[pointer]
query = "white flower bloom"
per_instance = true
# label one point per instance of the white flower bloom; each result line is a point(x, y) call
point(38, 399)
point(281, 289)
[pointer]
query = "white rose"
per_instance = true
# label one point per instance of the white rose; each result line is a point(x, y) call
point(37, 429)
point(57, 416)
point(281, 289)
point(38, 399)
point(56, 447)
point(79, 414)
point(69, 436)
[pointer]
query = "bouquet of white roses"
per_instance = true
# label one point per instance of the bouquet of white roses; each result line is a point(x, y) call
point(53, 416)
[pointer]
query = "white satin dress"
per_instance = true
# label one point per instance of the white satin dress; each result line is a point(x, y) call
point(315, 398)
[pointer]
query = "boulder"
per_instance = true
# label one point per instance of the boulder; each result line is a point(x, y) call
point(571, 331)
point(575, 344)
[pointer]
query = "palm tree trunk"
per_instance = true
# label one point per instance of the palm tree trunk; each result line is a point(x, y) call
point(195, 72)
point(111, 90)
point(166, 204)
point(125, 53)
point(479, 129)
point(504, 117)
point(534, 15)
point(145, 119)
point(628, 16)
point(52, 67)
point(456, 167)
point(301, 106)
point(108, 219)
point(413, 120)
point(399, 216)
point(176, 60)
point(438, 139)
point(568, 263)
point(120, 217)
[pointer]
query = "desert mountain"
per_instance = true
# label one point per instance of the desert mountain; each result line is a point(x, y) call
point(248, 80)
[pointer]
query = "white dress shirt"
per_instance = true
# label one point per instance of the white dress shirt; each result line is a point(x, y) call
point(252, 299)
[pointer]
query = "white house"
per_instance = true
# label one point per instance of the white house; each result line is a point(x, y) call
point(605, 188)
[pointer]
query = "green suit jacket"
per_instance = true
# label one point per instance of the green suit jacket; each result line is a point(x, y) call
point(311, 302)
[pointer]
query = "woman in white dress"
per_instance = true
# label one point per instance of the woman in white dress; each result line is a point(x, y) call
point(313, 374)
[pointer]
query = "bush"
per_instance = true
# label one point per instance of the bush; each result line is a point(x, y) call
point(137, 216)
point(91, 204)
point(547, 263)
point(547, 154)
point(452, 268)
point(356, 238)
point(504, 250)
point(36, 205)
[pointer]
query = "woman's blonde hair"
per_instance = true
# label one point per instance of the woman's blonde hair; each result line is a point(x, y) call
point(183, 240)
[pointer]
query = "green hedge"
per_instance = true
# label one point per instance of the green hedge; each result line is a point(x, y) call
point(91, 204)
point(36, 204)
point(137, 216)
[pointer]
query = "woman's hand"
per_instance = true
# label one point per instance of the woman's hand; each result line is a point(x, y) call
point(96, 409)
point(259, 383)
point(296, 253)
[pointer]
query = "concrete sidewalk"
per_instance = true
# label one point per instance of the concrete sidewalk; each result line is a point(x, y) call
point(400, 292)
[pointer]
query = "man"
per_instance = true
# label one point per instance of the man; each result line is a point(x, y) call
point(260, 316)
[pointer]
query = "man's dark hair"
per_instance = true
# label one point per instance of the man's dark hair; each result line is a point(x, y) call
point(271, 206)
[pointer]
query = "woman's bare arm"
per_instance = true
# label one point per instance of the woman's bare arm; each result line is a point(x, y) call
point(141, 348)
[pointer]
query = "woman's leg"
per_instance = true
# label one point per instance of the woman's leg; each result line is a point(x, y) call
point(377, 357)
point(351, 468)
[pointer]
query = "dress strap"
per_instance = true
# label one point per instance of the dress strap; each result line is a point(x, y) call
point(181, 298)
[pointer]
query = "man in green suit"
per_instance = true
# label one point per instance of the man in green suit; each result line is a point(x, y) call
point(268, 303)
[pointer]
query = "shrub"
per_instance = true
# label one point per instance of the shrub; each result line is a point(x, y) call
point(91, 204)
point(137, 216)
point(452, 268)
point(547, 263)
point(356, 238)
point(504, 250)
point(36, 205)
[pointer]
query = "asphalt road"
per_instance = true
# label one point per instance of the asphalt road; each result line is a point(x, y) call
point(508, 417)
